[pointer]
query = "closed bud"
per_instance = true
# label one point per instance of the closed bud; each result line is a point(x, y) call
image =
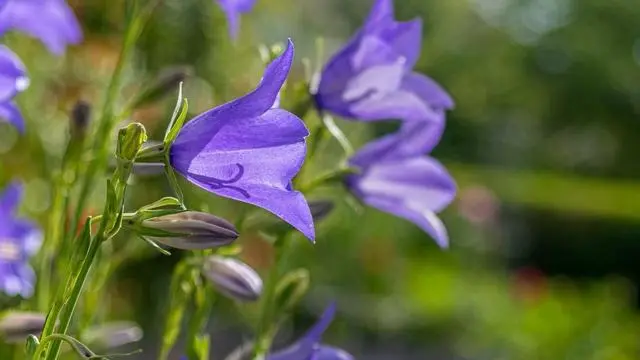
point(233, 278)
point(80, 117)
point(189, 230)
point(16, 326)
point(320, 209)
point(130, 140)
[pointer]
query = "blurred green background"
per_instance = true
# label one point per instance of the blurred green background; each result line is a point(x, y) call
point(545, 231)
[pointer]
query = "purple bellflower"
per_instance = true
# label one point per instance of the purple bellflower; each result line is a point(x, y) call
point(309, 347)
point(51, 21)
point(395, 177)
point(232, 10)
point(13, 79)
point(371, 78)
point(19, 240)
point(249, 151)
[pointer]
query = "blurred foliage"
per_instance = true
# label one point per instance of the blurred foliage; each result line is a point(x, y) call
point(541, 142)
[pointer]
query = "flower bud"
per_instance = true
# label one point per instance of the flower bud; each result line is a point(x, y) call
point(320, 209)
point(189, 230)
point(233, 278)
point(80, 117)
point(130, 140)
point(16, 326)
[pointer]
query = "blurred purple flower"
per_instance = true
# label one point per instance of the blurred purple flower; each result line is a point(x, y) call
point(309, 347)
point(396, 178)
point(232, 9)
point(371, 78)
point(19, 240)
point(248, 151)
point(51, 21)
point(13, 79)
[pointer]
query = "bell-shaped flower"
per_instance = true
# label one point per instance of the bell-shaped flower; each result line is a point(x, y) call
point(371, 78)
point(248, 151)
point(13, 79)
point(396, 178)
point(51, 21)
point(19, 240)
point(309, 347)
point(232, 10)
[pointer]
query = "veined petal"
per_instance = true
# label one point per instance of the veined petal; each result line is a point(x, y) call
point(412, 139)
point(251, 105)
point(406, 39)
point(305, 347)
point(414, 189)
point(51, 21)
point(13, 78)
point(10, 113)
point(251, 160)
point(428, 90)
point(10, 198)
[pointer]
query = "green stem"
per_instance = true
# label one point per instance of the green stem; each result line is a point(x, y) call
point(267, 325)
point(107, 120)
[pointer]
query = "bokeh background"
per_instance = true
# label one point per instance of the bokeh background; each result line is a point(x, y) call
point(545, 231)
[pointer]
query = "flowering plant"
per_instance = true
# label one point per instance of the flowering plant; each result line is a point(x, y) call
point(252, 150)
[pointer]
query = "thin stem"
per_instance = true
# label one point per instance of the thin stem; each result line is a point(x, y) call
point(337, 133)
point(107, 120)
point(267, 325)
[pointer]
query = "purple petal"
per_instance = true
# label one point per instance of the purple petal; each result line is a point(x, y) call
point(330, 353)
point(428, 90)
point(10, 113)
point(382, 10)
point(17, 279)
point(232, 10)
point(29, 235)
point(252, 160)
point(13, 78)
point(10, 198)
point(414, 189)
point(251, 105)
point(412, 139)
point(304, 348)
point(51, 21)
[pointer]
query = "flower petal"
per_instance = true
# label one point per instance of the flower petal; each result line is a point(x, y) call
point(233, 9)
point(251, 160)
point(325, 352)
point(382, 10)
point(428, 90)
point(412, 139)
point(251, 105)
point(305, 346)
point(13, 78)
point(51, 21)
point(414, 189)
point(10, 113)
point(29, 235)
point(10, 198)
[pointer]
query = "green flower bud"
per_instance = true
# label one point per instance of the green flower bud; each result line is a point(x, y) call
point(130, 140)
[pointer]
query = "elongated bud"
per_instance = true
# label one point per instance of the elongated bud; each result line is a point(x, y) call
point(80, 117)
point(16, 326)
point(164, 84)
point(233, 278)
point(189, 230)
point(113, 334)
point(130, 140)
point(320, 209)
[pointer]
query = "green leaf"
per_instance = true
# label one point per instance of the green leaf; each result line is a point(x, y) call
point(177, 120)
point(180, 292)
point(165, 201)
